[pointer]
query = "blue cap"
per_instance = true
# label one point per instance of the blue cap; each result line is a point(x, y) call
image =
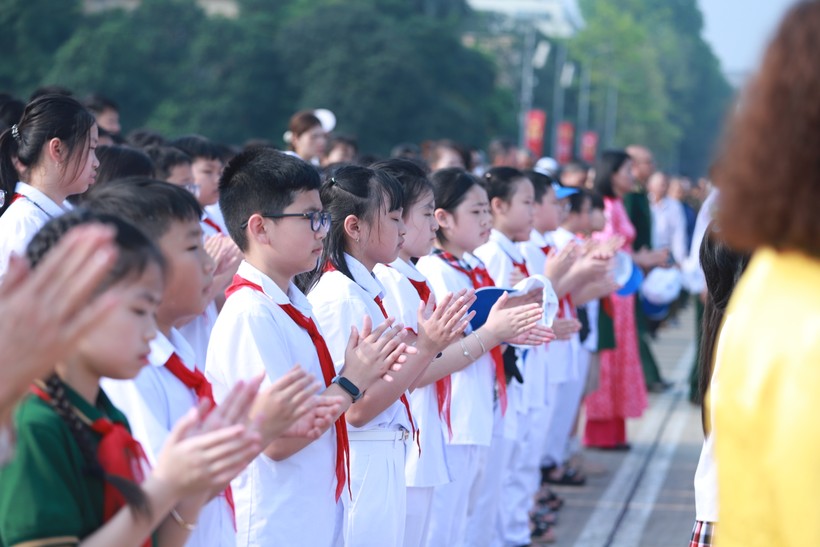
point(562, 192)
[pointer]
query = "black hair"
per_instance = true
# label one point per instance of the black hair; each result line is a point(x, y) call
point(97, 103)
point(352, 190)
point(135, 253)
point(597, 201)
point(261, 180)
point(50, 90)
point(119, 162)
point(576, 200)
point(450, 186)
point(151, 205)
point(198, 147)
point(608, 164)
point(11, 110)
point(143, 138)
point(407, 150)
point(47, 117)
point(502, 182)
point(541, 183)
point(500, 147)
point(165, 158)
point(410, 174)
point(722, 268)
point(344, 140)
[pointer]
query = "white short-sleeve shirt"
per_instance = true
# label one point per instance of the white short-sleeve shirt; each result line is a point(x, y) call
point(471, 409)
point(402, 301)
point(153, 402)
point(292, 501)
point(23, 219)
point(339, 303)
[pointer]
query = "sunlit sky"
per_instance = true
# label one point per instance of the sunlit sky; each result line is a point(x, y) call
point(739, 30)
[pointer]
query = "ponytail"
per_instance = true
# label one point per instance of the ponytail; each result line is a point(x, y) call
point(8, 173)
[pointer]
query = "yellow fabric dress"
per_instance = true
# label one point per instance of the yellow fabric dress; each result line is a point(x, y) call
point(767, 406)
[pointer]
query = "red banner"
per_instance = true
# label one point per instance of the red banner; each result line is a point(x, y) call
point(565, 144)
point(536, 122)
point(589, 146)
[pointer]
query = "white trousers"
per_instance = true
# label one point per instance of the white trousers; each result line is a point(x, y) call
point(483, 512)
point(567, 397)
point(417, 523)
point(452, 502)
point(376, 514)
point(517, 487)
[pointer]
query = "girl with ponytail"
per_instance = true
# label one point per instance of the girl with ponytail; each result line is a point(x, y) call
point(52, 148)
point(79, 477)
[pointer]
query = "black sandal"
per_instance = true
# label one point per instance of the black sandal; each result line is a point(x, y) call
point(570, 477)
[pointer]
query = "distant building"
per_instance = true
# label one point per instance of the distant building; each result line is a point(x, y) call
point(225, 8)
point(553, 18)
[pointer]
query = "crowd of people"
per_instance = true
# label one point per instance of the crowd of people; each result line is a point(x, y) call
point(212, 345)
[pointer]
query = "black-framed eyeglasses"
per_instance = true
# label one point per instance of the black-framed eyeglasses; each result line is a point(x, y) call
point(319, 220)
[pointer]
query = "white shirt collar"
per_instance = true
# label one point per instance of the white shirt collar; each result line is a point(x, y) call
point(506, 245)
point(162, 348)
point(407, 269)
point(537, 238)
point(41, 200)
point(294, 296)
point(364, 278)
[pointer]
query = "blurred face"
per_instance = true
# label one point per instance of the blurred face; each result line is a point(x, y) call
point(383, 239)
point(579, 222)
point(657, 186)
point(574, 178)
point(622, 181)
point(109, 119)
point(206, 173)
point(547, 214)
point(643, 164)
point(190, 274)
point(515, 218)
point(468, 226)
point(447, 157)
point(118, 347)
point(310, 144)
point(86, 169)
point(421, 227)
point(341, 153)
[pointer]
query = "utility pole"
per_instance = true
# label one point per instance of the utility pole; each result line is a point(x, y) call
point(583, 104)
point(527, 83)
point(611, 113)
point(557, 113)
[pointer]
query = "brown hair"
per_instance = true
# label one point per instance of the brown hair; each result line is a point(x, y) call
point(302, 121)
point(769, 169)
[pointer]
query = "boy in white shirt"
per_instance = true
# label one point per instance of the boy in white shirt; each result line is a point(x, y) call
point(291, 494)
point(171, 384)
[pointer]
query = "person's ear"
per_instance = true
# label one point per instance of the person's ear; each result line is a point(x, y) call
point(444, 219)
point(353, 227)
point(257, 230)
point(498, 205)
point(55, 150)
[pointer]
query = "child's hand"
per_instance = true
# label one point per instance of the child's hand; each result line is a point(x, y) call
point(321, 416)
point(539, 334)
point(535, 296)
point(505, 322)
point(440, 327)
point(279, 405)
point(226, 256)
point(565, 328)
point(559, 263)
point(371, 355)
point(198, 464)
point(515, 276)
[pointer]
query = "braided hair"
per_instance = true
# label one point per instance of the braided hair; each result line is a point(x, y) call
point(135, 252)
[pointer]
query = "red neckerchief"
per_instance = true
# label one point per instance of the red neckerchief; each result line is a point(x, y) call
point(119, 454)
point(17, 196)
point(565, 302)
point(480, 277)
point(444, 386)
point(194, 379)
point(212, 224)
point(328, 373)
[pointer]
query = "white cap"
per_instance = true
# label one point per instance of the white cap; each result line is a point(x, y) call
point(547, 166)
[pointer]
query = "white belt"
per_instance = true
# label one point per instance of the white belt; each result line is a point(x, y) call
point(379, 435)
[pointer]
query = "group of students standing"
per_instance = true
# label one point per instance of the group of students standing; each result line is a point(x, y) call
point(283, 356)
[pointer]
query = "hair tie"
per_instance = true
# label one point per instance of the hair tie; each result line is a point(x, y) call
point(15, 132)
point(332, 181)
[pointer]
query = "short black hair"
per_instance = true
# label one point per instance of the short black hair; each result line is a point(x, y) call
point(166, 158)
point(97, 103)
point(199, 147)
point(151, 205)
point(410, 174)
point(261, 180)
point(501, 182)
point(541, 183)
point(576, 200)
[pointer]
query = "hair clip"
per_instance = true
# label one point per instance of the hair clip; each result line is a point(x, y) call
point(332, 181)
point(15, 132)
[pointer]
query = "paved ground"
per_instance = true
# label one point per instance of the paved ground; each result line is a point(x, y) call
point(645, 498)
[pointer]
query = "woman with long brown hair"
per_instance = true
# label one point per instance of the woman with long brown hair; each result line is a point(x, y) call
point(768, 399)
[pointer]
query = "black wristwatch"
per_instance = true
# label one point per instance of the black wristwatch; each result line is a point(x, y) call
point(351, 389)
